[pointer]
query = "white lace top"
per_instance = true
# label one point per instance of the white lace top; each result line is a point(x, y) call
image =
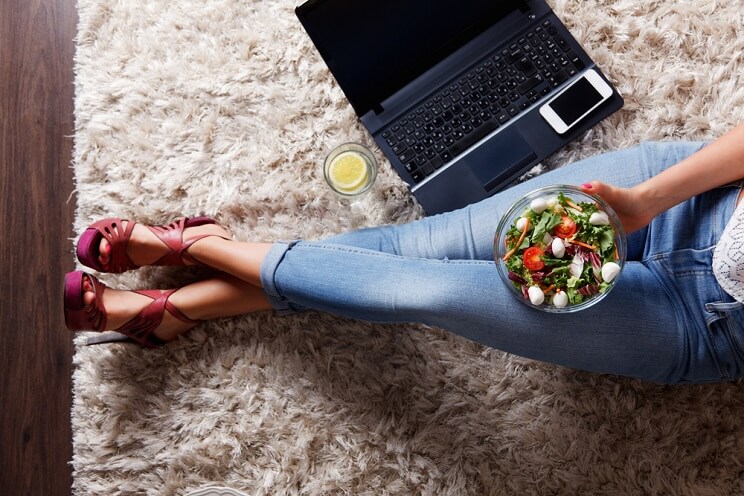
point(728, 256)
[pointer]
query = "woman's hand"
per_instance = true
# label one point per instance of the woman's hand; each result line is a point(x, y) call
point(633, 212)
point(719, 163)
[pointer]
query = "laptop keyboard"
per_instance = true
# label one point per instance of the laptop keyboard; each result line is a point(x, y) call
point(489, 95)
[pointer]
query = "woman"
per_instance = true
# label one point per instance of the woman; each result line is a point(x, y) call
point(674, 316)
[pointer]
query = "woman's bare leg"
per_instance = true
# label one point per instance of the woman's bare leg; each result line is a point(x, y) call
point(218, 297)
point(145, 248)
point(242, 260)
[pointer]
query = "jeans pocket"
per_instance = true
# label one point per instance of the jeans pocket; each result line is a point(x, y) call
point(705, 309)
point(725, 321)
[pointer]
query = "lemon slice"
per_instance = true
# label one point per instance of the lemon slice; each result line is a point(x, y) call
point(348, 172)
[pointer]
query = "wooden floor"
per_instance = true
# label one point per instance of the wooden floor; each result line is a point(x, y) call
point(36, 116)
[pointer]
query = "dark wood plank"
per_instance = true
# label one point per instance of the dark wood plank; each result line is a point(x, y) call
point(36, 116)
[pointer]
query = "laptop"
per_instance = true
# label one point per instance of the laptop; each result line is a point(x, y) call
point(462, 97)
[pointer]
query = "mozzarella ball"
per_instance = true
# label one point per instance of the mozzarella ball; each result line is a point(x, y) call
point(521, 223)
point(610, 270)
point(560, 299)
point(599, 219)
point(537, 297)
point(538, 205)
point(559, 249)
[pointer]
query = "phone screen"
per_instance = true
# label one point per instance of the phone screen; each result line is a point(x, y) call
point(576, 101)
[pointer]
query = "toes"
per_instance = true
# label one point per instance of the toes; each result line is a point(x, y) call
point(104, 252)
point(89, 297)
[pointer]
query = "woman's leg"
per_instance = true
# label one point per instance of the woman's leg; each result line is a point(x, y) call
point(620, 335)
point(217, 297)
point(666, 320)
point(144, 248)
point(242, 260)
point(634, 331)
point(465, 234)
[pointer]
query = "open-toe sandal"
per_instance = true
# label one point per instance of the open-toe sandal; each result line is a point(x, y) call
point(113, 230)
point(139, 329)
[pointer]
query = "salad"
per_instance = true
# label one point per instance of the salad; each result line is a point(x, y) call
point(560, 252)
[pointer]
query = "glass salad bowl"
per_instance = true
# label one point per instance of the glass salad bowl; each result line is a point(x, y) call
point(559, 249)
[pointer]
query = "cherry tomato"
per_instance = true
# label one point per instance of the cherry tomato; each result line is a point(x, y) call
point(566, 228)
point(532, 258)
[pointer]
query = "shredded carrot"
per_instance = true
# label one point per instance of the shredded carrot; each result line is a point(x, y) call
point(519, 242)
point(585, 245)
point(549, 289)
point(573, 205)
point(617, 255)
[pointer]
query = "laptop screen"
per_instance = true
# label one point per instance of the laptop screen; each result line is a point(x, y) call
point(375, 47)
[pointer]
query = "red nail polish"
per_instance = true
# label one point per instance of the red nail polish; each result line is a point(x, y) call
point(586, 185)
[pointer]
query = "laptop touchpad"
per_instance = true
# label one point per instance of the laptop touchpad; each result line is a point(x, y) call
point(500, 157)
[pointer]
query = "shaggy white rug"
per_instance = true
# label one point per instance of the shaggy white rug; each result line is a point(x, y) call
point(223, 107)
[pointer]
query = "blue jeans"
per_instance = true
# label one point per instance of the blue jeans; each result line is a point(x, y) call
point(667, 320)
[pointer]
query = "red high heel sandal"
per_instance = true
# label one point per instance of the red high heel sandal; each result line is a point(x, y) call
point(112, 229)
point(139, 329)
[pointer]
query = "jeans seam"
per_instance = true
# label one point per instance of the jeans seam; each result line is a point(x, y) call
point(661, 258)
point(349, 249)
point(687, 315)
point(716, 357)
point(733, 335)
